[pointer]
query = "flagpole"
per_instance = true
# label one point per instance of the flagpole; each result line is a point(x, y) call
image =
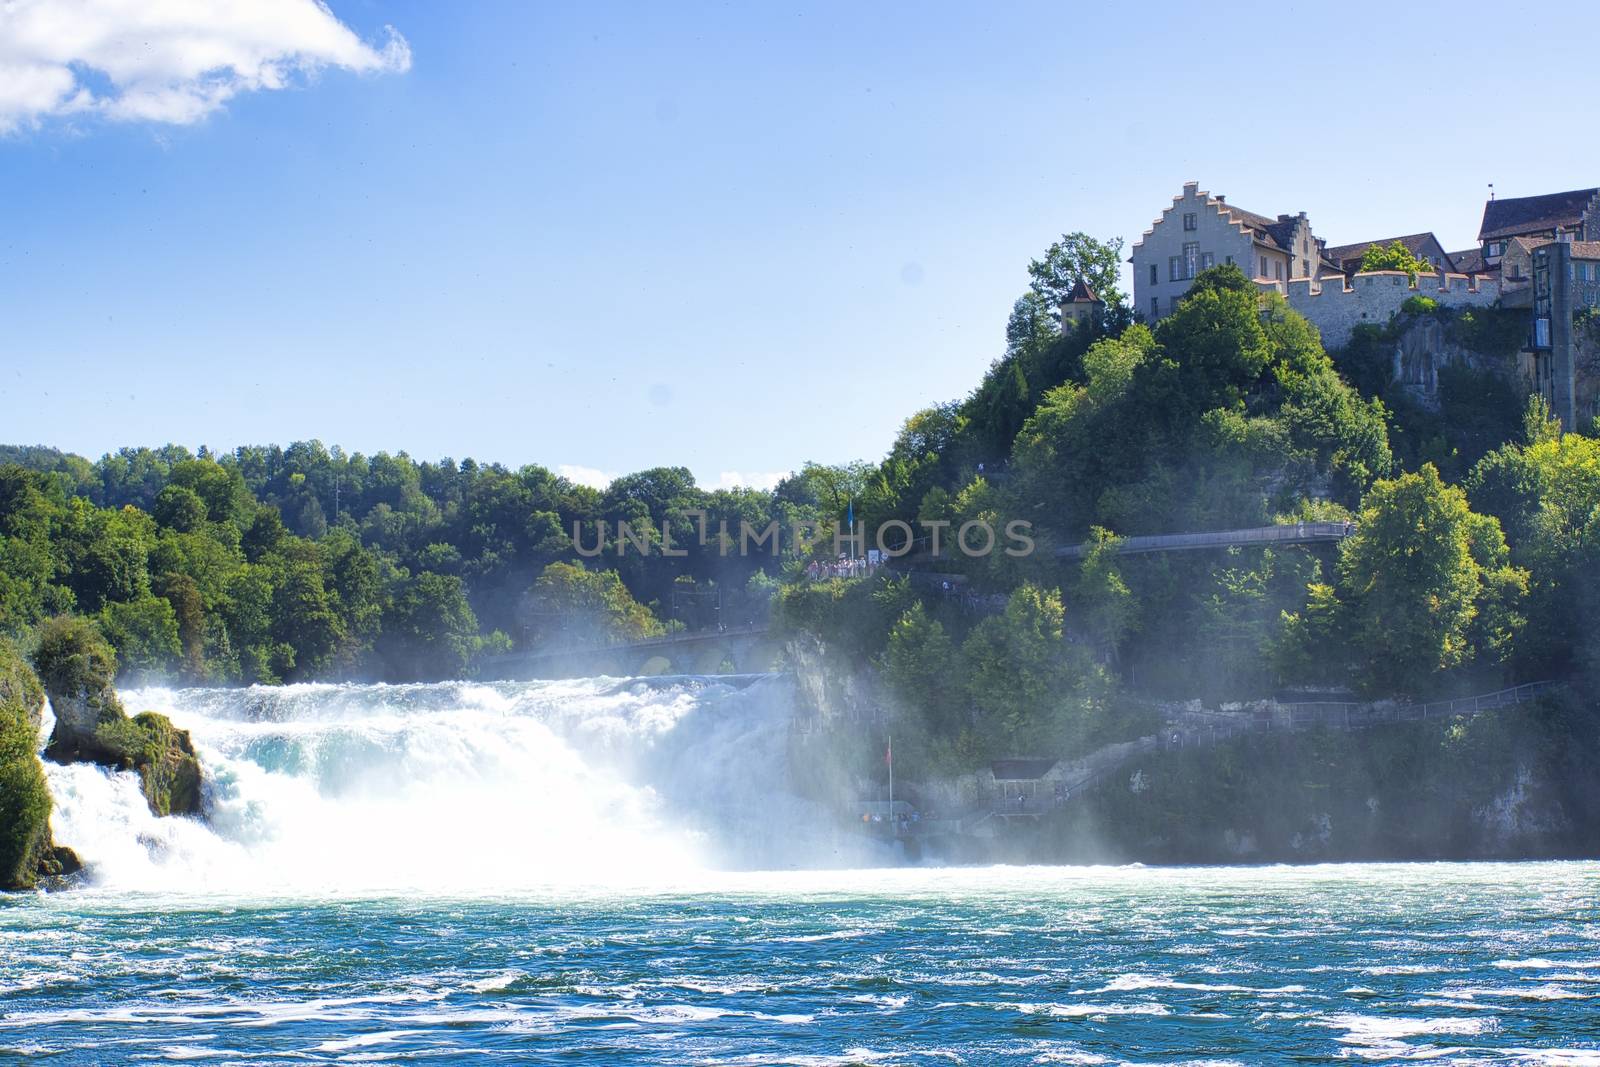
point(889, 755)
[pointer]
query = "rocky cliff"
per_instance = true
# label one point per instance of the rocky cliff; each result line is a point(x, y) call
point(1508, 784)
point(77, 668)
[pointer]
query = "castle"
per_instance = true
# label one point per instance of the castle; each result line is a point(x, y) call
point(1541, 253)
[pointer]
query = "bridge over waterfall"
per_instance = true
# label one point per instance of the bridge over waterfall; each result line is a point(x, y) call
point(735, 650)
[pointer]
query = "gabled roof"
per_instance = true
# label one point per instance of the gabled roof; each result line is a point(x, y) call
point(1082, 294)
point(1532, 214)
point(1020, 770)
point(1580, 249)
point(1418, 244)
point(1274, 233)
point(1278, 232)
point(1469, 262)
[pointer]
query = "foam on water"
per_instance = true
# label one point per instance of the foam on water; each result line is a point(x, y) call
point(456, 787)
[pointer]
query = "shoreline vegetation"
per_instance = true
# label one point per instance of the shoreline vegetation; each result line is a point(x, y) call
point(1473, 564)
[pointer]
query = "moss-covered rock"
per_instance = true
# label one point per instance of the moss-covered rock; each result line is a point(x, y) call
point(28, 856)
point(78, 668)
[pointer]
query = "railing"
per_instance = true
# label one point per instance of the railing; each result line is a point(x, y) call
point(1298, 533)
point(1352, 715)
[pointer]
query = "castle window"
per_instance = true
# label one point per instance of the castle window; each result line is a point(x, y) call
point(1264, 266)
point(1173, 268)
point(1207, 260)
point(1154, 275)
point(1155, 307)
point(1190, 222)
point(1230, 261)
point(1191, 258)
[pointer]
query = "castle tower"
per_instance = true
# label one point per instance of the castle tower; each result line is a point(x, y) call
point(1082, 306)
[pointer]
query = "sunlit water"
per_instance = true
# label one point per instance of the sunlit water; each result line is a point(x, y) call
point(550, 874)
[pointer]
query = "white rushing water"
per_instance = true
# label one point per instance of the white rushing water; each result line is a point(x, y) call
point(458, 787)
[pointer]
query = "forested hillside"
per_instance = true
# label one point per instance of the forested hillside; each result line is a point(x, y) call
point(1474, 560)
point(1228, 413)
point(271, 565)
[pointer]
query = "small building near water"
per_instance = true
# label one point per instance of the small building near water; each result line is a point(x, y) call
point(1027, 784)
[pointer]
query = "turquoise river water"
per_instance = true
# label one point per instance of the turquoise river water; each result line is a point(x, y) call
point(482, 874)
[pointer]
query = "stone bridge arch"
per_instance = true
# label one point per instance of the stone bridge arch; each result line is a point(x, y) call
point(727, 654)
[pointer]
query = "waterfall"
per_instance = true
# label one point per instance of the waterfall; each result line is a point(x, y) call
point(460, 787)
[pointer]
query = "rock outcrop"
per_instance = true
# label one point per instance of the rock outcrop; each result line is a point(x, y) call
point(77, 668)
point(1426, 345)
point(28, 856)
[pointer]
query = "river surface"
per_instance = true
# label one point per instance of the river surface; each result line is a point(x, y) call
point(1468, 963)
point(595, 872)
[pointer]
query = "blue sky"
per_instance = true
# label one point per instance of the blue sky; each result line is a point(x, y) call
point(733, 237)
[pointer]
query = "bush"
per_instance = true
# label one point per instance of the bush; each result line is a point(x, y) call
point(73, 657)
point(1419, 305)
point(1491, 331)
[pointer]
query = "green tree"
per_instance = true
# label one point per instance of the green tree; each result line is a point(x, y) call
point(1546, 496)
point(1216, 338)
point(223, 490)
point(302, 612)
point(572, 606)
point(180, 509)
point(1414, 579)
point(1077, 255)
point(145, 634)
point(920, 667)
point(1028, 687)
point(430, 632)
point(1394, 256)
point(1101, 599)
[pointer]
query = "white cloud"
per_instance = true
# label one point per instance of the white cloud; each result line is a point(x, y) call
point(590, 476)
point(172, 61)
point(750, 479)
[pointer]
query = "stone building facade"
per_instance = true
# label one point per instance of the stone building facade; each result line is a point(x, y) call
point(1200, 231)
point(1574, 215)
point(1537, 252)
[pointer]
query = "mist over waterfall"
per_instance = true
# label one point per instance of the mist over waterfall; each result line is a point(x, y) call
point(460, 786)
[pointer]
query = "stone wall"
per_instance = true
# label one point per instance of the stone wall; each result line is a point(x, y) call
point(1337, 306)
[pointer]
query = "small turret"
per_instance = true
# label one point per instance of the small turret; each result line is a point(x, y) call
point(1082, 306)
